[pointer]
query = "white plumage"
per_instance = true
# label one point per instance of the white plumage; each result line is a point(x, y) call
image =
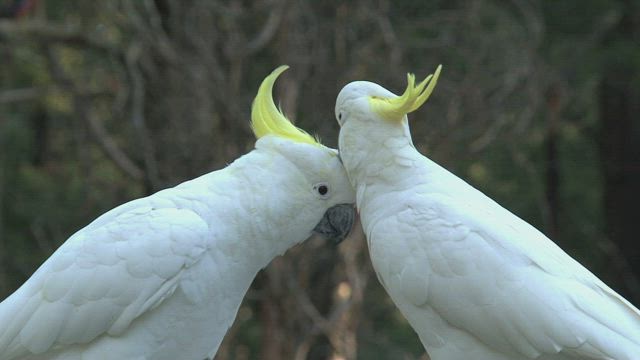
point(162, 277)
point(473, 280)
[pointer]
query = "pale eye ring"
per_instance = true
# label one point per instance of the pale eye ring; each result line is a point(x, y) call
point(321, 189)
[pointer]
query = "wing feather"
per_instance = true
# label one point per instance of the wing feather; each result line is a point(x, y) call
point(101, 279)
point(501, 280)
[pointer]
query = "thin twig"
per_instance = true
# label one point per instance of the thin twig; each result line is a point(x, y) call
point(83, 109)
point(48, 33)
point(18, 95)
point(266, 34)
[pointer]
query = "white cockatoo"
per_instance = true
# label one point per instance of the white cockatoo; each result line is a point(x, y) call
point(474, 281)
point(162, 277)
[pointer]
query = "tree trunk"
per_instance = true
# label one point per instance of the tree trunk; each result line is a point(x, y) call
point(620, 148)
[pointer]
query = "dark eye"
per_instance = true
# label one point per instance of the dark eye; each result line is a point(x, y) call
point(340, 116)
point(322, 189)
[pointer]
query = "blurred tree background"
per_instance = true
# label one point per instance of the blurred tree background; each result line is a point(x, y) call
point(102, 102)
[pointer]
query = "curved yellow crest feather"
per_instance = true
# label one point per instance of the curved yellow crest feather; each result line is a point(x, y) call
point(267, 119)
point(412, 98)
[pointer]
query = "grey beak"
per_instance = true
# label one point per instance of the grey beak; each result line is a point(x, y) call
point(336, 223)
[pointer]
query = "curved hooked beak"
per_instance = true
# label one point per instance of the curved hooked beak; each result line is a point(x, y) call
point(337, 222)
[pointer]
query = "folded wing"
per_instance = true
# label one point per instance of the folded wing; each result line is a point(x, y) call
point(101, 279)
point(498, 278)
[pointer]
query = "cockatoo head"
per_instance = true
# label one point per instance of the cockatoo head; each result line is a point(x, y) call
point(319, 197)
point(370, 102)
point(372, 119)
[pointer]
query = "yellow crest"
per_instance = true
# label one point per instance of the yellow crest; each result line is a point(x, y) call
point(267, 119)
point(412, 98)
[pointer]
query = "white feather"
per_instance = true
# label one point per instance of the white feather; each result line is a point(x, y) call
point(473, 280)
point(162, 277)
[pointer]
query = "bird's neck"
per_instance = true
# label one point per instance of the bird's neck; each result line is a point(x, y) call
point(381, 167)
point(248, 204)
point(272, 215)
point(376, 156)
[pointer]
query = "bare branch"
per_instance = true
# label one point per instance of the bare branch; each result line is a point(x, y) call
point(269, 29)
point(389, 34)
point(83, 109)
point(137, 114)
point(34, 93)
point(106, 142)
point(18, 95)
point(48, 33)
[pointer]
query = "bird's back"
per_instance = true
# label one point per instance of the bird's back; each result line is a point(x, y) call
point(476, 281)
point(152, 278)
